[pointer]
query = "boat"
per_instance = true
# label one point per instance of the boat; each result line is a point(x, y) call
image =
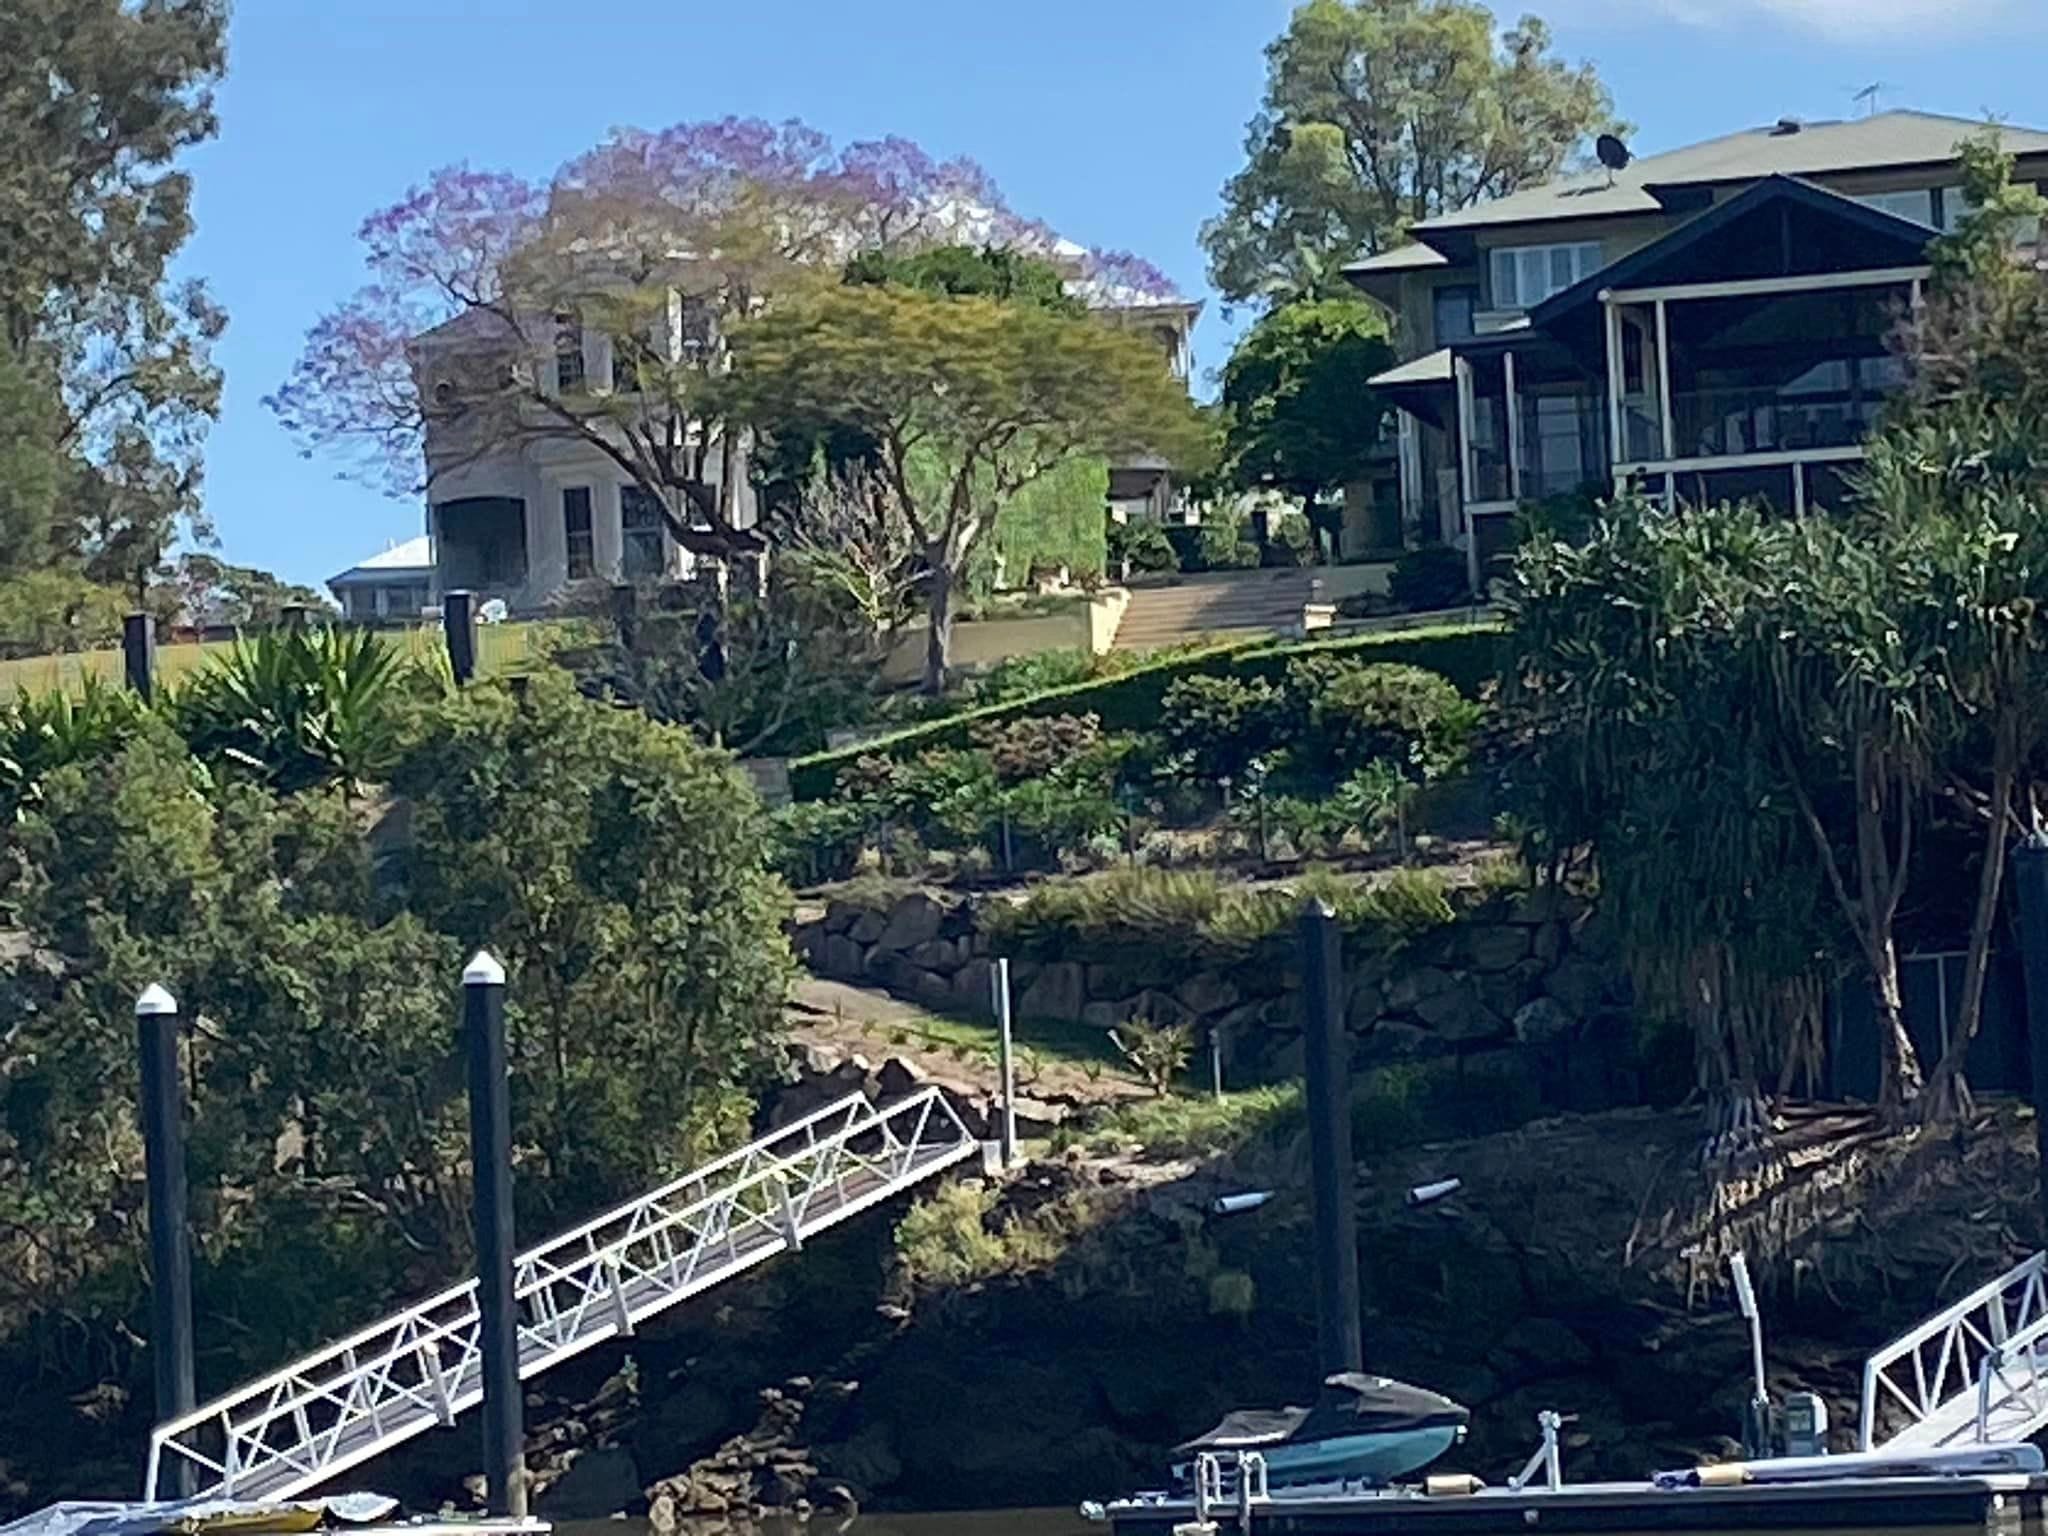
point(1362, 1429)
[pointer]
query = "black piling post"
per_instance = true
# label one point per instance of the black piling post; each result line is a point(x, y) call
point(458, 619)
point(170, 1243)
point(2030, 876)
point(490, 1142)
point(1328, 1064)
point(138, 654)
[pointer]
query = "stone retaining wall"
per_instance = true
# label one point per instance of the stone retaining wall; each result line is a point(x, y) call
point(1491, 986)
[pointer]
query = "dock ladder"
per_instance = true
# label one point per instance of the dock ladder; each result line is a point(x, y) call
point(290, 1431)
point(1972, 1374)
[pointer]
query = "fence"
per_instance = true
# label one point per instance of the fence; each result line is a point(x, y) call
point(1931, 987)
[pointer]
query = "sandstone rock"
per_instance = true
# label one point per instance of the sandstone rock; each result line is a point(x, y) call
point(934, 955)
point(1368, 1001)
point(599, 1483)
point(1577, 984)
point(663, 1518)
point(1105, 1016)
point(1393, 1040)
point(971, 986)
point(1037, 1117)
point(1542, 1021)
point(1059, 991)
point(899, 1076)
point(914, 920)
point(932, 988)
point(1548, 944)
point(842, 958)
point(1496, 946)
point(809, 942)
point(1206, 993)
point(1410, 988)
point(867, 928)
point(868, 1460)
point(1459, 1014)
point(841, 915)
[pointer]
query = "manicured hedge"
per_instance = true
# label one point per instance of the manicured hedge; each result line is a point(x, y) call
point(1468, 654)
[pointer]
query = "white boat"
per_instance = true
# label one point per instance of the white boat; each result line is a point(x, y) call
point(1361, 1430)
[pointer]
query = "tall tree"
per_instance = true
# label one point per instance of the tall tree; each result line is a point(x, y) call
point(100, 98)
point(969, 400)
point(659, 241)
point(1298, 416)
point(1382, 113)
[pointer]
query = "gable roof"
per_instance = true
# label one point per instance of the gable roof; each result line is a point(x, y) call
point(1880, 240)
point(1885, 140)
point(412, 557)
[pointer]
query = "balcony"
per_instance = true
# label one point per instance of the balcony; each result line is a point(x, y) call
point(1714, 423)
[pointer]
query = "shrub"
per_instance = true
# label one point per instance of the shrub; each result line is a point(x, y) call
point(40, 733)
point(1018, 677)
point(1157, 1052)
point(1221, 544)
point(1038, 746)
point(300, 707)
point(1470, 655)
point(1220, 723)
point(1430, 577)
point(819, 840)
point(1289, 542)
point(1399, 714)
point(1141, 546)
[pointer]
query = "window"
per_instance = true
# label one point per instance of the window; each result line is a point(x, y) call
point(576, 533)
point(640, 533)
point(1951, 207)
point(1454, 310)
point(1525, 275)
point(1917, 205)
point(628, 355)
point(568, 354)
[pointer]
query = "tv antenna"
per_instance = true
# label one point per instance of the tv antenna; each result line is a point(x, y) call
point(1867, 98)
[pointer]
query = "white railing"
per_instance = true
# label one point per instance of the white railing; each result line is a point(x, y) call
point(1967, 1373)
point(294, 1429)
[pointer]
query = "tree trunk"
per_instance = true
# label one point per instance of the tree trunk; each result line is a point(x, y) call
point(1948, 1090)
point(1899, 1083)
point(938, 640)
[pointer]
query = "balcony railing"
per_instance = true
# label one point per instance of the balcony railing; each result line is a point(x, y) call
point(1714, 423)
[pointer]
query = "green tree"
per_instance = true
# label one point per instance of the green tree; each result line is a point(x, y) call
point(965, 271)
point(101, 98)
point(616, 867)
point(968, 401)
point(1382, 113)
point(213, 593)
point(1298, 417)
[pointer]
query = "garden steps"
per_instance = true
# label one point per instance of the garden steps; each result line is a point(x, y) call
point(1210, 607)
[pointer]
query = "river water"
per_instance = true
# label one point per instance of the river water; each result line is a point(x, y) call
point(978, 1522)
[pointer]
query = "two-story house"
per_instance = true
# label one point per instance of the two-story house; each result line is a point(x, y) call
point(1710, 323)
point(526, 515)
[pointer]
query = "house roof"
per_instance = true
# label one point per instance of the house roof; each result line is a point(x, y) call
point(1430, 368)
point(413, 557)
point(1403, 258)
point(1884, 140)
point(1880, 239)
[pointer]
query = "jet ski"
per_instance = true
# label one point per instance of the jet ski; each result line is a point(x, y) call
point(1362, 1429)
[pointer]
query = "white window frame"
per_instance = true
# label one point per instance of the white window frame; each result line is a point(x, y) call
point(1538, 263)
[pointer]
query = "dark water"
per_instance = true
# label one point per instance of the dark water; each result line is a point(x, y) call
point(978, 1522)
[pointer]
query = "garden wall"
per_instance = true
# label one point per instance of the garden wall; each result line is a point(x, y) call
point(1088, 625)
point(1505, 990)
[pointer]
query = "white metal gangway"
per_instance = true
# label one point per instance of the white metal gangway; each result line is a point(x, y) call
point(296, 1428)
point(1971, 1374)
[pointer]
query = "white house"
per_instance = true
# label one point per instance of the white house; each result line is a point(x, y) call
point(391, 587)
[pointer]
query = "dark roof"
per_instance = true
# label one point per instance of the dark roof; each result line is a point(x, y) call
point(1874, 239)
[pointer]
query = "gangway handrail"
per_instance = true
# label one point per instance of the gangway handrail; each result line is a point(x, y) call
point(1992, 1368)
point(576, 1289)
point(1977, 1325)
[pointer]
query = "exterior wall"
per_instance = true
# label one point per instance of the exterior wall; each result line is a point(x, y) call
point(1089, 626)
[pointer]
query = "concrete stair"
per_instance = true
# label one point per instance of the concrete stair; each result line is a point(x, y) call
point(1214, 606)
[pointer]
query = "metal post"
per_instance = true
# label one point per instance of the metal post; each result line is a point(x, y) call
point(1756, 1420)
point(2030, 876)
point(490, 1142)
point(138, 654)
point(170, 1244)
point(1216, 1062)
point(1339, 1347)
point(999, 983)
point(458, 620)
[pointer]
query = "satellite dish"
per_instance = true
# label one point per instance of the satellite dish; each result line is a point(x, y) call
point(1612, 152)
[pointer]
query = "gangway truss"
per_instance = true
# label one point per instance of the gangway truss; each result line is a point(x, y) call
point(293, 1430)
point(1970, 1375)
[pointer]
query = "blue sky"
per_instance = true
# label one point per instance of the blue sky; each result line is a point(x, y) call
point(1114, 120)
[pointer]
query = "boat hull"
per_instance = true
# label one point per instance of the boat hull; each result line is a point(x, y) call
point(1371, 1458)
